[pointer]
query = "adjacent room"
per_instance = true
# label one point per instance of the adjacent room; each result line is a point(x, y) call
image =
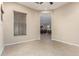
point(39, 29)
point(45, 26)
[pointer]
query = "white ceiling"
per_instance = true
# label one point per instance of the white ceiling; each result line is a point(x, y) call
point(44, 6)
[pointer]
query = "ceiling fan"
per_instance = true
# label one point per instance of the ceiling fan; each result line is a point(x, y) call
point(43, 2)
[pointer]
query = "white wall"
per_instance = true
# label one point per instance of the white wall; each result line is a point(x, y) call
point(1, 33)
point(66, 23)
point(33, 24)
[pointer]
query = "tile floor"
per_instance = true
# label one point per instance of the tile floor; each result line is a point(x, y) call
point(43, 47)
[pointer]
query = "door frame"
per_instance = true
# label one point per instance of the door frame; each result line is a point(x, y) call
point(52, 23)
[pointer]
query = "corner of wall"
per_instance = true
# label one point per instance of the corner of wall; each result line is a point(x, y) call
point(1, 50)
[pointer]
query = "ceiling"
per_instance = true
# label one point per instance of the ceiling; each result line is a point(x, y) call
point(42, 7)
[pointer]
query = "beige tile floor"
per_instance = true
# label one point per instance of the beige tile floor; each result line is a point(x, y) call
point(43, 47)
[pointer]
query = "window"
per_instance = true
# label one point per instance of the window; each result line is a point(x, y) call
point(19, 23)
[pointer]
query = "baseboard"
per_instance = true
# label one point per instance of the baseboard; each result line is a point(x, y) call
point(67, 42)
point(1, 51)
point(21, 42)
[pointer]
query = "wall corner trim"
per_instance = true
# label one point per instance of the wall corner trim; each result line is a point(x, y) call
point(21, 42)
point(1, 51)
point(73, 44)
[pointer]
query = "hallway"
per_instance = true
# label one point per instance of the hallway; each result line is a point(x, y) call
point(43, 47)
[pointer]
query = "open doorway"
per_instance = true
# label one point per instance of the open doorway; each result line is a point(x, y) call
point(45, 26)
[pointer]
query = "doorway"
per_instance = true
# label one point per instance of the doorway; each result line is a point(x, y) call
point(45, 26)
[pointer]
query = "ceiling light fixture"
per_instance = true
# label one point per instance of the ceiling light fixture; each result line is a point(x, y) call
point(1, 10)
point(51, 3)
point(43, 2)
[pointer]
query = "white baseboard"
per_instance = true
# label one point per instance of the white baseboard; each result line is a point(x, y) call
point(21, 42)
point(1, 50)
point(66, 42)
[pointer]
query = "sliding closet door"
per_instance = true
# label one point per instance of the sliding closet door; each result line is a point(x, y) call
point(19, 23)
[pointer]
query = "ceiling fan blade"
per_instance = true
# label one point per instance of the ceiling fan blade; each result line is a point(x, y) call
point(43, 2)
point(39, 2)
